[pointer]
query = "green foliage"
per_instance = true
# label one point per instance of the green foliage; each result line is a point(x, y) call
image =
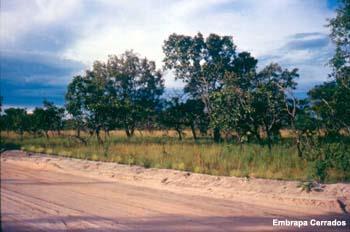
point(235, 96)
point(201, 64)
point(74, 102)
point(340, 34)
point(224, 94)
point(326, 154)
point(232, 104)
point(203, 156)
point(15, 119)
point(260, 103)
point(178, 115)
point(174, 116)
point(121, 93)
point(331, 100)
point(321, 167)
point(48, 118)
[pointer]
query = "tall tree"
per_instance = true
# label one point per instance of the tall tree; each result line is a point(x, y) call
point(331, 100)
point(201, 64)
point(232, 104)
point(98, 99)
point(55, 116)
point(249, 101)
point(75, 102)
point(269, 98)
point(137, 85)
point(232, 111)
point(340, 35)
point(121, 93)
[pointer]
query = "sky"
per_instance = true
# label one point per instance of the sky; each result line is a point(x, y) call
point(44, 43)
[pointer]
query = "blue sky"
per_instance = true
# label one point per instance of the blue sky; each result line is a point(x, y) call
point(46, 42)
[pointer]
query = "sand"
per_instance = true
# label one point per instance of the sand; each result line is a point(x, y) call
point(50, 193)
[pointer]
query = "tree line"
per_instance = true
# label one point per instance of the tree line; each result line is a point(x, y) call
point(225, 94)
point(41, 121)
point(225, 97)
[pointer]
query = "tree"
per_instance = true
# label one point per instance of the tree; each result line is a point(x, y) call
point(201, 64)
point(232, 111)
point(331, 100)
point(40, 121)
point(173, 115)
point(269, 98)
point(137, 86)
point(340, 35)
point(55, 116)
point(249, 101)
point(195, 117)
point(98, 99)
point(48, 118)
point(122, 93)
point(16, 119)
point(74, 102)
point(232, 105)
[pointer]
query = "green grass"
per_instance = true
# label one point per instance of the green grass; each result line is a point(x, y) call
point(248, 160)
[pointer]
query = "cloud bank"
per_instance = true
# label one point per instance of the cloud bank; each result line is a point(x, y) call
point(45, 42)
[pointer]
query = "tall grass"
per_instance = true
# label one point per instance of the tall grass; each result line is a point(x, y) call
point(155, 150)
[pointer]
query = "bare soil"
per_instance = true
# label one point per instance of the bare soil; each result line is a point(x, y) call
point(50, 193)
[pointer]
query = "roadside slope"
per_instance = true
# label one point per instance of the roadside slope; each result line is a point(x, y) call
point(41, 192)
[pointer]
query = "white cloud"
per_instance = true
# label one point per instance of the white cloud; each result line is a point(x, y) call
point(19, 17)
point(111, 27)
point(29, 109)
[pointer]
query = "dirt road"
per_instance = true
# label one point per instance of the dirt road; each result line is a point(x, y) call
point(36, 196)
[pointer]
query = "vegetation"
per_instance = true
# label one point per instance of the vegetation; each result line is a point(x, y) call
point(160, 150)
point(239, 112)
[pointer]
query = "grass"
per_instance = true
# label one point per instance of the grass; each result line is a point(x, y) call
point(155, 150)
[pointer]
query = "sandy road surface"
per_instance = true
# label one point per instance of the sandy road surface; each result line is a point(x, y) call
point(37, 197)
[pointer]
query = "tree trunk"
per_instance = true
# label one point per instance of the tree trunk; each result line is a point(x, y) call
point(99, 140)
point(298, 141)
point(193, 131)
point(258, 137)
point(179, 133)
point(47, 134)
point(127, 132)
point(268, 134)
point(132, 131)
point(217, 135)
point(78, 132)
point(106, 133)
